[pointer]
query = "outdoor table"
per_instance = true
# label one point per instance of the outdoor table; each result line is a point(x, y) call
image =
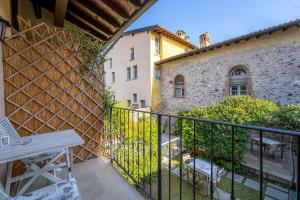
point(60, 141)
point(266, 142)
point(204, 167)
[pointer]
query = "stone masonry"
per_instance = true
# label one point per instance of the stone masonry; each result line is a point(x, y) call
point(272, 62)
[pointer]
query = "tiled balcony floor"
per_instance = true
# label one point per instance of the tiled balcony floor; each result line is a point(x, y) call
point(98, 179)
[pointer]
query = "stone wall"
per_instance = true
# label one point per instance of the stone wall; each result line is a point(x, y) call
point(273, 63)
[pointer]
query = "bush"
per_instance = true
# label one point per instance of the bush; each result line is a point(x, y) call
point(240, 110)
point(109, 100)
point(133, 142)
point(288, 118)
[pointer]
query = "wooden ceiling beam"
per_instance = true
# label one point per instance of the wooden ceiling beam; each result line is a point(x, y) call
point(95, 11)
point(60, 12)
point(136, 3)
point(93, 21)
point(37, 9)
point(82, 23)
point(116, 8)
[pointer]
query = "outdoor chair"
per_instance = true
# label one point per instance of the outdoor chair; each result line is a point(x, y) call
point(186, 159)
point(204, 180)
point(63, 190)
point(15, 139)
point(30, 162)
point(281, 149)
point(218, 179)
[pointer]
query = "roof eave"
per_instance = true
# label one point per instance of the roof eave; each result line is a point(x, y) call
point(137, 14)
point(234, 40)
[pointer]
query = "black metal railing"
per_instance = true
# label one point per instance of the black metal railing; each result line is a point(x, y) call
point(144, 145)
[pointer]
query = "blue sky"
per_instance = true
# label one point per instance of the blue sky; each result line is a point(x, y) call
point(223, 19)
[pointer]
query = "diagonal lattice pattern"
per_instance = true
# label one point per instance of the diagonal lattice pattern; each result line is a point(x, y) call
point(47, 88)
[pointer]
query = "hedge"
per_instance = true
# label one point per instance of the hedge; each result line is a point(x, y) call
point(240, 110)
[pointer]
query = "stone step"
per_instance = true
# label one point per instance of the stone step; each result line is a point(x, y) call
point(278, 187)
point(252, 184)
point(237, 178)
point(276, 194)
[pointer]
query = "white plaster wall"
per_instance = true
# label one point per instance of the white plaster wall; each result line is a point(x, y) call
point(120, 55)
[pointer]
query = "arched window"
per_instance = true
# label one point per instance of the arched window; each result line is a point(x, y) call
point(179, 86)
point(238, 81)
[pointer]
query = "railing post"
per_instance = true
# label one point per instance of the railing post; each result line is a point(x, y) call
point(212, 162)
point(181, 161)
point(232, 163)
point(261, 165)
point(110, 135)
point(159, 185)
point(298, 168)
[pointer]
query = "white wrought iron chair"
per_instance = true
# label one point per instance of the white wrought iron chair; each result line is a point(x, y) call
point(63, 190)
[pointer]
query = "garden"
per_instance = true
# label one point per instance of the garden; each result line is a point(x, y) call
point(134, 139)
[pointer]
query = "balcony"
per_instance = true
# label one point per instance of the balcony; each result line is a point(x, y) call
point(157, 156)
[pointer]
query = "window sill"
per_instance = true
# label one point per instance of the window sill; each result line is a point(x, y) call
point(179, 97)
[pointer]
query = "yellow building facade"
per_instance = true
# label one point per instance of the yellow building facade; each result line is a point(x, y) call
point(168, 47)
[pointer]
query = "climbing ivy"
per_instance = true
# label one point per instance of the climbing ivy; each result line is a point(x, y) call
point(91, 47)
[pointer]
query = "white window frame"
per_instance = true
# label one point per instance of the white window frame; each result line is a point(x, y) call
point(113, 77)
point(128, 73)
point(132, 56)
point(135, 72)
point(238, 82)
point(110, 63)
point(135, 97)
point(157, 45)
point(179, 87)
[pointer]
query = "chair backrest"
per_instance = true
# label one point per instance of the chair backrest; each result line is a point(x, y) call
point(186, 157)
point(219, 174)
point(14, 137)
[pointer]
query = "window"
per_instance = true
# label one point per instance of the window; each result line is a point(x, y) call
point(135, 72)
point(143, 103)
point(157, 73)
point(110, 63)
point(113, 77)
point(179, 86)
point(134, 97)
point(132, 53)
point(128, 73)
point(157, 45)
point(128, 103)
point(238, 81)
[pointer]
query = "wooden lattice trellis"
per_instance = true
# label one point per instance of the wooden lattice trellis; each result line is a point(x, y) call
point(47, 87)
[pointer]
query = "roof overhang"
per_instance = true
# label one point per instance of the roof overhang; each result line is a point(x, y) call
point(105, 19)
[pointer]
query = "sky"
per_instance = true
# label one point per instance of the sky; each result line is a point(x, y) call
point(222, 19)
